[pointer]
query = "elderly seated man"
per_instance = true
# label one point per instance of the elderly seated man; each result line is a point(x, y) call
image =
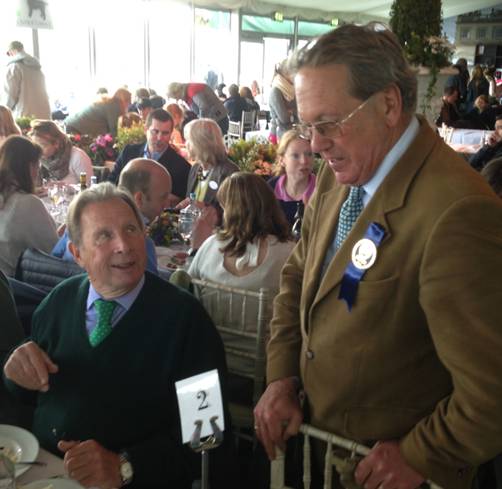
point(150, 185)
point(105, 351)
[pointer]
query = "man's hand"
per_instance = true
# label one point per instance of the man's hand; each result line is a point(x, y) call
point(278, 415)
point(494, 138)
point(90, 464)
point(385, 468)
point(29, 366)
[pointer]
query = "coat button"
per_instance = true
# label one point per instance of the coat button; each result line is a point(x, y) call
point(309, 354)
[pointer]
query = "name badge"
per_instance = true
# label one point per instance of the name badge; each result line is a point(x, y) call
point(364, 255)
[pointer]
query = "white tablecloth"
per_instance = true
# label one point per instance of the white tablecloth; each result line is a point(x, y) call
point(261, 136)
point(468, 136)
point(53, 469)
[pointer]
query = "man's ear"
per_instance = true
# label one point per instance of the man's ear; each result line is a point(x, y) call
point(76, 253)
point(139, 198)
point(393, 104)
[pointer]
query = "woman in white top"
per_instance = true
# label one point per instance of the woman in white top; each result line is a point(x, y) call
point(60, 160)
point(250, 248)
point(24, 220)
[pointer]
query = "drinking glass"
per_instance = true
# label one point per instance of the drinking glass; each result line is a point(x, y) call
point(7, 473)
point(185, 227)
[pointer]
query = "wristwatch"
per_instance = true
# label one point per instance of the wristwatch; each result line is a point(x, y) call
point(126, 470)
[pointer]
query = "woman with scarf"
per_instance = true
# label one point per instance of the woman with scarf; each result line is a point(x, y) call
point(281, 103)
point(60, 160)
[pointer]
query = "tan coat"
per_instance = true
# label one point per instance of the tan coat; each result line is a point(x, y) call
point(24, 87)
point(419, 358)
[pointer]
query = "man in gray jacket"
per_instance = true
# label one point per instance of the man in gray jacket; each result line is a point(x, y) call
point(24, 87)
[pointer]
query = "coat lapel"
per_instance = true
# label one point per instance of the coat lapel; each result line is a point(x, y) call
point(390, 196)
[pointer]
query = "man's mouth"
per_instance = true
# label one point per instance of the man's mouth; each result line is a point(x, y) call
point(124, 266)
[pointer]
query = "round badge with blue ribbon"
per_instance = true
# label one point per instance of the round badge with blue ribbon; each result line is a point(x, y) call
point(364, 255)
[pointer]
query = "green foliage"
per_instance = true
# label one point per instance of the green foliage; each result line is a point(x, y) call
point(415, 19)
point(417, 25)
point(253, 156)
point(129, 135)
point(24, 123)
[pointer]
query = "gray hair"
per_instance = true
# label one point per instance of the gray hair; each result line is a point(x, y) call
point(372, 54)
point(102, 192)
point(206, 141)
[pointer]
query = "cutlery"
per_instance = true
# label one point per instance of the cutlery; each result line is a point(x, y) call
point(36, 462)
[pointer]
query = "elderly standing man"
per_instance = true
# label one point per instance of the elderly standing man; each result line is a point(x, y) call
point(105, 351)
point(25, 92)
point(158, 129)
point(388, 313)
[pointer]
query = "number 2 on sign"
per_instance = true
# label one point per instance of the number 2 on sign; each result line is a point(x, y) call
point(203, 403)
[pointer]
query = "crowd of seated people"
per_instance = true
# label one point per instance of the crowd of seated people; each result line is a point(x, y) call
point(251, 239)
point(469, 103)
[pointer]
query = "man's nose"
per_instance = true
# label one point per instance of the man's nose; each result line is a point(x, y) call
point(319, 143)
point(122, 243)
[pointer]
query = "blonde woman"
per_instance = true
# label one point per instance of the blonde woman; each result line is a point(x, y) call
point(294, 181)
point(204, 143)
point(7, 124)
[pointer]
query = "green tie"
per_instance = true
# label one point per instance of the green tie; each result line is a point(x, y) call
point(104, 324)
point(349, 213)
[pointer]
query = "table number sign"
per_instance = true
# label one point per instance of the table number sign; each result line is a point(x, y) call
point(199, 399)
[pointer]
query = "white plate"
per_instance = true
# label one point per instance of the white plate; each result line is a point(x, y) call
point(21, 442)
point(55, 483)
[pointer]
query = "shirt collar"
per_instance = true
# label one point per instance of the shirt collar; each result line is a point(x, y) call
point(125, 301)
point(390, 160)
point(155, 155)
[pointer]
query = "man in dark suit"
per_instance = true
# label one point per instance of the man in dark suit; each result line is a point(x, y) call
point(158, 128)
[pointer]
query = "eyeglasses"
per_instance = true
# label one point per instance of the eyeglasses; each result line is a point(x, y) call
point(328, 129)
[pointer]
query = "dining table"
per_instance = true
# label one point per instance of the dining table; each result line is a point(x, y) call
point(52, 467)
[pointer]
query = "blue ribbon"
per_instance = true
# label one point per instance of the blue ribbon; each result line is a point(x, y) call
point(353, 275)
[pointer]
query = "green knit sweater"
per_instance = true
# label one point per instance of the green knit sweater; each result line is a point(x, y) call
point(121, 392)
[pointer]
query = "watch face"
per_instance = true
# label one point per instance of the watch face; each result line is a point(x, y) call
point(126, 471)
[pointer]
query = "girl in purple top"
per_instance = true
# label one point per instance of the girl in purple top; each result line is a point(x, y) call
point(294, 181)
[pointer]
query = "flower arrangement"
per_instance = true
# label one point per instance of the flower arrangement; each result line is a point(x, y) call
point(253, 156)
point(102, 149)
point(164, 228)
point(134, 134)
